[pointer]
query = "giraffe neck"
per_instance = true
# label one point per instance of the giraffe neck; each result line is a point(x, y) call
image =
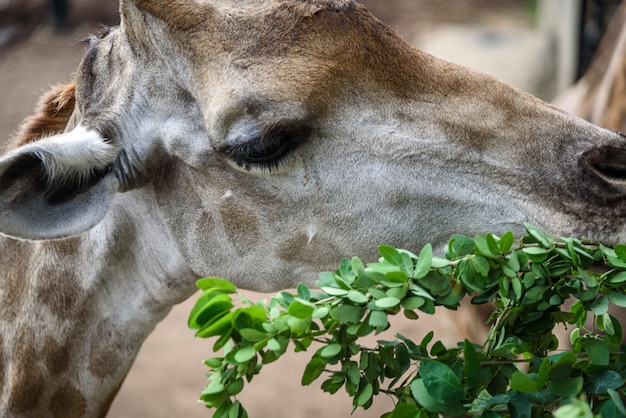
point(74, 313)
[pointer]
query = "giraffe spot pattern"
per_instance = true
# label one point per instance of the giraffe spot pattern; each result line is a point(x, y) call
point(27, 379)
point(67, 402)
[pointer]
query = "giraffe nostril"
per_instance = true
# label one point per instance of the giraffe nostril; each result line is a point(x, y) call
point(614, 172)
point(604, 168)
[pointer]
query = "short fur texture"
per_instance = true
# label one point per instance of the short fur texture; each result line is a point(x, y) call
point(51, 115)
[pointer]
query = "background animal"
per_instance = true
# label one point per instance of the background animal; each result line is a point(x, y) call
point(600, 95)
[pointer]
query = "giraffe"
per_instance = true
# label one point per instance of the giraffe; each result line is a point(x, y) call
point(259, 141)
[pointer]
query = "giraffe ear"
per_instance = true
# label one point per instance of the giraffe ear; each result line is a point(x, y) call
point(57, 186)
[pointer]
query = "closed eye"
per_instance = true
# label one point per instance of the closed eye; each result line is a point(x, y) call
point(268, 149)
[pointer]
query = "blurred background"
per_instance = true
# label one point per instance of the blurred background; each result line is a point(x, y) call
point(541, 46)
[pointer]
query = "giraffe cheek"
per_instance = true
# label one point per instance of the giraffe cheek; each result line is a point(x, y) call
point(303, 247)
point(240, 224)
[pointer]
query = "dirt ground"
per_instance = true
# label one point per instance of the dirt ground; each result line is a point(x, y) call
point(168, 375)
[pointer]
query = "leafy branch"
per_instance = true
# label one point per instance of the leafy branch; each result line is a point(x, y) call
point(527, 281)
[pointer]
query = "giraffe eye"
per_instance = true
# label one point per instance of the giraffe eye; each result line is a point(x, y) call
point(266, 148)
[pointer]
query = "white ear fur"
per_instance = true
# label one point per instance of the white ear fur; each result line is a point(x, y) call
point(57, 186)
point(72, 156)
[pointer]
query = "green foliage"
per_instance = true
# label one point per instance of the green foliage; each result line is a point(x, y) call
point(526, 280)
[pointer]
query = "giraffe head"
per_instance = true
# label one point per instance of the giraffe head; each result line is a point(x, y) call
point(273, 137)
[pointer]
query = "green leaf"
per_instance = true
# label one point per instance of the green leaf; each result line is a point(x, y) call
point(214, 362)
point(619, 404)
point(610, 410)
point(543, 374)
point(365, 395)
point(481, 265)
point(424, 262)
point(606, 323)
point(333, 291)
point(387, 302)
point(252, 335)
point(618, 278)
point(575, 408)
point(405, 410)
point(298, 325)
point(209, 308)
point(600, 305)
point(235, 387)
point(620, 251)
point(222, 326)
point(397, 292)
point(518, 288)
point(274, 345)
point(522, 382)
point(441, 382)
point(566, 388)
point(216, 284)
point(250, 317)
point(395, 278)
point(237, 411)
point(483, 246)
point(471, 365)
point(330, 350)
point(599, 383)
point(423, 397)
point(357, 297)
point(435, 282)
point(536, 254)
point(214, 393)
point(618, 299)
point(301, 310)
point(303, 291)
point(506, 242)
point(459, 246)
point(538, 236)
point(245, 354)
point(513, 262)
point(390, 254)
point(378, 320)
point(489, 414)
point(412, 303)
point(359, 269)
point(313, 370)
point(347, 314)
point(469, 278)
point(320, 312)
point(439, 262)
point(492, 243)
point(519, 405)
